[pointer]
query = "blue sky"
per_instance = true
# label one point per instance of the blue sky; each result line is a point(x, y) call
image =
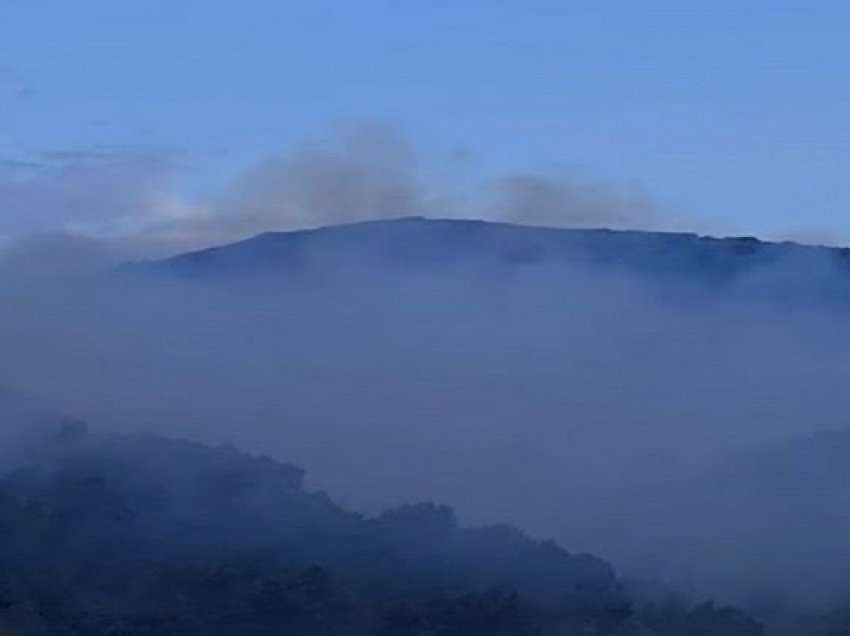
point(734, 117)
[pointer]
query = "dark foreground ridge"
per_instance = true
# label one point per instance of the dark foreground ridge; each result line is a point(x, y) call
point(136, 535)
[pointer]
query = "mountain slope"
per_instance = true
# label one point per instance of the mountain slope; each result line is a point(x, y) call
point(416, 244)
point(145, 535)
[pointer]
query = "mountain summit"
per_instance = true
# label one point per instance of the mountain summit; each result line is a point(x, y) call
point(417, 245)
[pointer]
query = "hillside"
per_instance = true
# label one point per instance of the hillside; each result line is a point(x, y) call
point(141, 535)
point(410, 245)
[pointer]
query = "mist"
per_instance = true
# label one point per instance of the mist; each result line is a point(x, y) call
point(579, 402)
point(649, 398)
point(451, 319)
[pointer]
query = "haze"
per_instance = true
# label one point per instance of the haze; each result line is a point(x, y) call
point(456, 254)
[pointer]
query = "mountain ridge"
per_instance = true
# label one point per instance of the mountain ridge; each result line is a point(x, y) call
point(415, 244)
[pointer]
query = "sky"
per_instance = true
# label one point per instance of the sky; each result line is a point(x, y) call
point(730, 117)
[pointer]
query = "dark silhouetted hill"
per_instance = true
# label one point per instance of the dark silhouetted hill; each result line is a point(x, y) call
point(410, 245)
point(103, 534)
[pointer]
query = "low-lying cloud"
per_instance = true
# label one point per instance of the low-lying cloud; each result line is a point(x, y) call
point(539, 393)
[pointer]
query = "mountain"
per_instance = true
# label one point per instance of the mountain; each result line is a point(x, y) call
point(133, 535)
point(410, 245)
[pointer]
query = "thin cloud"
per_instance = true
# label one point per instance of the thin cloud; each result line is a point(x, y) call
point(95, 191)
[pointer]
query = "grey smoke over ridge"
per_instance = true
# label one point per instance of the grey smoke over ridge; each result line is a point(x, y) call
point(357, 174)
point(553, 202)
point(370, 172)
point(360, 173)
point(130, 196)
